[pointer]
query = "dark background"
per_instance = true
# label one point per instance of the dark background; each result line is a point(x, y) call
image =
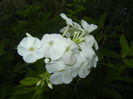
point(113, 77)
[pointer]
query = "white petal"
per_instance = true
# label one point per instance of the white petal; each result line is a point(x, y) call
point(83, 71)
point(30, 58)
point(21, 50)
point(56, 78)
point(88, 27)
point(90, 40)
point(94, 61)
point(68, 20)
point(96, 45)
point(87, 51)
point(53, 67)
point(54, 53)
point(37, 43)
point(69, 58)
point(84, 24)
point(91, 28)
point(67, 77)
point(76, 67)
point(75, 72)
point(24, 43)
point(39, 53)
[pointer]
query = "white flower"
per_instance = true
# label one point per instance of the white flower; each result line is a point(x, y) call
point(54, 46)
point(30, 49)
point(88, 27)
point(60, 72)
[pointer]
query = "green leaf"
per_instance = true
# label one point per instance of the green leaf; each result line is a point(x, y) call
point(124, 46)
point(20, 89)
point(128, 62)
point(29, 81)
point(110, 92)
point(110, 53)
point(102, 19)
point(2, 52)
point(125, 79)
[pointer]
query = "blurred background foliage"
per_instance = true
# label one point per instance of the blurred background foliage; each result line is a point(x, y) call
point(113, 77)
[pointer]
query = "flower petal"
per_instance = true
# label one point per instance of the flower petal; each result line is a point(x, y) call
point(56, 78)
point(54, 46)
point(67, 77)
point(87, 51)
point(21, 50)
point(68, 20)
point(94, 61)
point(90, 40)
point(84, 71)
point(53, 67)
point(30, 58)
point(75, 72)
point(88, 27)
point(39, 53)
point(69, 58)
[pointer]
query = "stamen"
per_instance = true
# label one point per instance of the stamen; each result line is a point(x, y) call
point(31, 49)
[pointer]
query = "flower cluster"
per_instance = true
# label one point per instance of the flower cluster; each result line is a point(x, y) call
point(66, 56)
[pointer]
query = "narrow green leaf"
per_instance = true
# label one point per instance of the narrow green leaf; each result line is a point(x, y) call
point(29, 81)
point(124, 46)
point(125, 79)
point(20, 89)
point(102, 19)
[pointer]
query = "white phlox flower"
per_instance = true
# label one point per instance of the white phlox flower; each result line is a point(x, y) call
point(30, 48)
point(54, 46)
point(60, 72)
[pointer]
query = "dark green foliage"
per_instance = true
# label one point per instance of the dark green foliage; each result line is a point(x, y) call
point(113, 77)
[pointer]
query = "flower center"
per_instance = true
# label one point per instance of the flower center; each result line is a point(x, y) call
point(50, 43)
point(31, 49)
